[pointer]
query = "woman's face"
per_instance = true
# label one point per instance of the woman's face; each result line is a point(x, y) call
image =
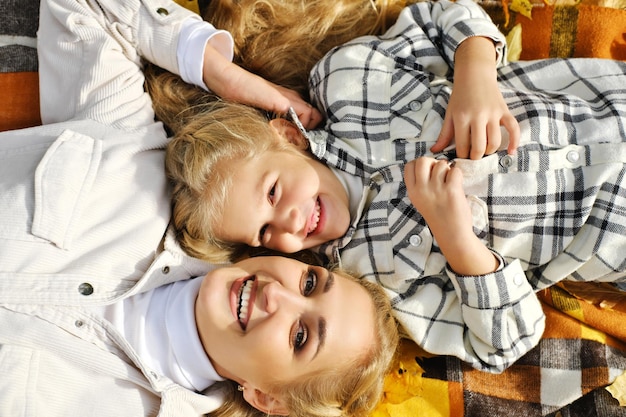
point(276, 319)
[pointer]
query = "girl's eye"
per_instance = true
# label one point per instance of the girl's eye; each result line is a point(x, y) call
point(270, 197)
point(299, 337)
point(271, 192)
point(309, 283)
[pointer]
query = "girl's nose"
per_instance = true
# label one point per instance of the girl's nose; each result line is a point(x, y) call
point(291, 221)
point(278, 298)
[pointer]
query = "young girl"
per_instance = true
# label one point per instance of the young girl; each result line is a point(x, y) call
point(460, 248)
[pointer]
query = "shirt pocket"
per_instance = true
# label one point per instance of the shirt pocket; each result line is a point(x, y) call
point(18, 366)
point(47, 189)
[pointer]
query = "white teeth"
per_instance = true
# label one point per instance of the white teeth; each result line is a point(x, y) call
point(316, 218)
point(244, 298)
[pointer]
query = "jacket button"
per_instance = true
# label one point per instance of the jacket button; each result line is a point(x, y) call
point(162, 11)
point(85, 288)
point(165, 270)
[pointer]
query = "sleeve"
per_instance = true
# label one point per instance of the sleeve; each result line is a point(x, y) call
point(91, 52)
point(193, 39)
point(377, 89)
point(487, 321)
point(502, 313)
point(447, 24)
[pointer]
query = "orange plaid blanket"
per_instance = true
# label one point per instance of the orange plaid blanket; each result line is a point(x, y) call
point(582, 351)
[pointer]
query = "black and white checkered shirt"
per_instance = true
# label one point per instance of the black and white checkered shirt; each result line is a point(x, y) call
point(556, 210)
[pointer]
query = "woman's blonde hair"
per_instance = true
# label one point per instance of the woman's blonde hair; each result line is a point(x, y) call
point(281, 40)
point(349, 390)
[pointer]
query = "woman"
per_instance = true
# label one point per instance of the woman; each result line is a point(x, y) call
point(265, 336)
point(85, 206)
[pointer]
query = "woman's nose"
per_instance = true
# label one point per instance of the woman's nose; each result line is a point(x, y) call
point(278, 298)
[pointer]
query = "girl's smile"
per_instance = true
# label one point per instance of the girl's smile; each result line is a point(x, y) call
point(283, 201)
point(316, 220)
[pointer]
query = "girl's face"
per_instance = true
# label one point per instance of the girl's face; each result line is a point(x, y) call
point(286, 201)
point(277, 319)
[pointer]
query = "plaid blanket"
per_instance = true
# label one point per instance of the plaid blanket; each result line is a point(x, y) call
point(583, 348)
point(582, 351)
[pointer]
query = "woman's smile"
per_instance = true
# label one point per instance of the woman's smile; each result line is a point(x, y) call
point(252, 315)
point(242, 296)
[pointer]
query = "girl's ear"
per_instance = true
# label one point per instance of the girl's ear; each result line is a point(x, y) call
point(264, 402)
point(287, 130)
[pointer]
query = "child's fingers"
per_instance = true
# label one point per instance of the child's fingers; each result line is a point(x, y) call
point(417, 172)
point(494, 138)
point(443, 173)
point(462, 139)
point(512, 126)
point(478, 141)
point(445, 136)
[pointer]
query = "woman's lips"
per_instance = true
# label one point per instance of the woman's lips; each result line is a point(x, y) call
point(242, 295)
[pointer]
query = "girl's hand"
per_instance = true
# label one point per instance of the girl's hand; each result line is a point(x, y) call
point(435, 187)
point(476, 109)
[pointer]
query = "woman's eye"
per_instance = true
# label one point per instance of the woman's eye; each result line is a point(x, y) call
point(309, 283)
point(262, 233)
point(299, 337)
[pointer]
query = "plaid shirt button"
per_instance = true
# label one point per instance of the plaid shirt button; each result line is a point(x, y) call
point(518, 279)
point(415, 240)
point(415, 105)
point(506, 161)
point(573, 156)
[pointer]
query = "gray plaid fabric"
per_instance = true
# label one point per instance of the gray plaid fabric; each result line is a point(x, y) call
point(554, 211)
point(18, 33)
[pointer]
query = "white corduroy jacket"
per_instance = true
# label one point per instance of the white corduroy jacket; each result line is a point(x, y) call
point(84, 208)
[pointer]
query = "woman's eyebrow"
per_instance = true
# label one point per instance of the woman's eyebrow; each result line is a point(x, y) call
point(330, 280)
point(321, 336)
point(321, 325)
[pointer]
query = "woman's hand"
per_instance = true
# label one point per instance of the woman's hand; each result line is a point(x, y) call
point(231, 82)
point(435, 187)
point(308, 115)
point(476, 109)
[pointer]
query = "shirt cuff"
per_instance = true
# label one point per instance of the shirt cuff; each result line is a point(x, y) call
point(505, 286)
point(194, 36)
